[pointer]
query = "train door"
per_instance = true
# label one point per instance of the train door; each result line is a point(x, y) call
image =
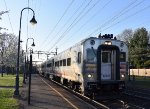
point(108, 67)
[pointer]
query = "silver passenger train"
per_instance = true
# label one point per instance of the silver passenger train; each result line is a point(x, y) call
point(91, 66)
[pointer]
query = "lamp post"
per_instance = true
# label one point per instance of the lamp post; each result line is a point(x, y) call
point(27, 43)
point(33, 21)
point(25, 73)
point(30, 68)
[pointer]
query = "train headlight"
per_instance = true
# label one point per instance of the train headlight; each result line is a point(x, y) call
point(122, 75)
point(108, 43)
point(89, 75)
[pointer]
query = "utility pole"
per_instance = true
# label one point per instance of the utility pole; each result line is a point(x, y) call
point(47, 56)
point(46, 53)
point(55, 53)
point(56, 50)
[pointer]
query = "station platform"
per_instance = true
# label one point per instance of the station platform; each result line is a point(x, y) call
point(44, 95)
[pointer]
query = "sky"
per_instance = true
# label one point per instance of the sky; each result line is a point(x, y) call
point(62, 23)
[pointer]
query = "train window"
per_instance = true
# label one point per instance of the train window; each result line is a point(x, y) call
point(106, 57)
point(42, 66)
point(60, 62)
point(49, 65)
point(91, 56)
point(68, 61)
point(79, 57)
point(122, 57)
point(64, 62)
point(55, 64)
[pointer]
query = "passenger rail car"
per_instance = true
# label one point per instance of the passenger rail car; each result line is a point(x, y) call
point(91, 66)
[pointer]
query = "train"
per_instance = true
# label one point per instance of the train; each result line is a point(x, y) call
point(93, 65)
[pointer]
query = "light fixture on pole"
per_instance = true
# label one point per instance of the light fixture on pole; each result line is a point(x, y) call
point(25, 73)
point(33, 21)
point(33, 44)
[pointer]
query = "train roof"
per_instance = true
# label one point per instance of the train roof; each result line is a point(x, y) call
point(100, 38)
point(89, 38)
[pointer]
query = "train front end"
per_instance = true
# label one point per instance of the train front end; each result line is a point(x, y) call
point(105, 65)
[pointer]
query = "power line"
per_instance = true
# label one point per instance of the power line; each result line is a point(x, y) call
point(122, 12)
point(9, 18)
point(69, 19)
point(73, 24)
point(28, 20)
point(59, 20)
point(79, 14)
point(36, 8)
point(90, 19)
point(127, 17)
point(38, 13)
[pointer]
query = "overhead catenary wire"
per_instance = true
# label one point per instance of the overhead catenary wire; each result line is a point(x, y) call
point(127, 17)
point(59, 20)
point(36, 8)
point(82, 16)
point(122, 12)
point(9, 18)
point(103, 24)
point(33, 6)
point(28, 20)
point(69, 19)
point(90, 19)
point(79, 14)
point(10, 35)
point(115, 20)
point(73, 24)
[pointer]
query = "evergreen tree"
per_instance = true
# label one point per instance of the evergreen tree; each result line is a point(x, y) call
point(138, 48)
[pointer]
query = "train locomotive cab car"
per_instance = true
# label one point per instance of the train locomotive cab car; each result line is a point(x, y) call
point(93, 65)
point(105, 65)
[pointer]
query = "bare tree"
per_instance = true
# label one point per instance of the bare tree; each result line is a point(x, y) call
point(2, 12)
point(9, 44)
point(126, 36)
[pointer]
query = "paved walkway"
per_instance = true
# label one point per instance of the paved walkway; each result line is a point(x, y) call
point(42, 96)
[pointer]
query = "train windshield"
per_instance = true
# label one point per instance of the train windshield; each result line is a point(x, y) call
point(106, 57)
point(91, 55)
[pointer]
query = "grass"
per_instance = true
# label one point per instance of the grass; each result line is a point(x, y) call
point(140, 78)
point(6, 94)
point(6, 99)
point(140, 81)
point(9, 80)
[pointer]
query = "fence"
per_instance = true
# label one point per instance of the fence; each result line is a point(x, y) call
point(140, 72)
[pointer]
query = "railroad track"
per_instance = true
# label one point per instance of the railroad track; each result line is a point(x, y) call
point(137, 97)
point(131, 98)
point(138, 92)
point(134, 102)
point(123, 103)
